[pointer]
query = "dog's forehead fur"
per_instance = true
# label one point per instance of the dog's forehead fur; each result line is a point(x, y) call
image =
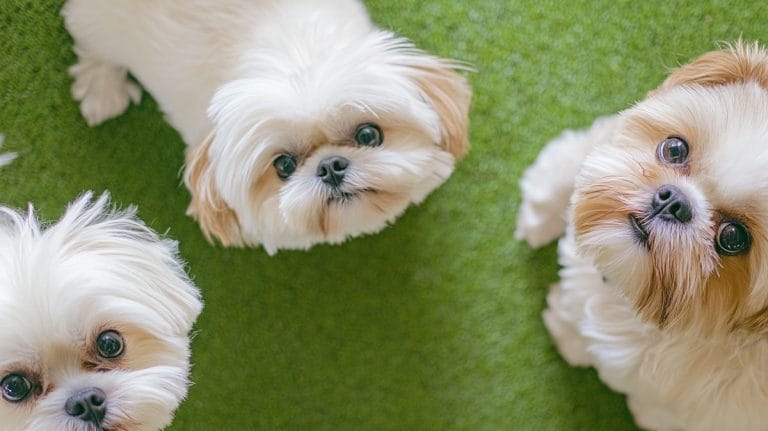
point(324, 101)
point(726, 130)
point(62, 283)
point(320, 105)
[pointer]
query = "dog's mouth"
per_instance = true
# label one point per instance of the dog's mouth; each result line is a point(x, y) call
point(343, 197)
point(641, 235)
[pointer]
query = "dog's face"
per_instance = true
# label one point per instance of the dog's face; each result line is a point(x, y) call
point(94, 316)
point(336, 150)
point(674, 208)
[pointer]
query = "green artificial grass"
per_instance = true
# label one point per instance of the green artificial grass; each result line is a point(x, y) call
point(432, 324)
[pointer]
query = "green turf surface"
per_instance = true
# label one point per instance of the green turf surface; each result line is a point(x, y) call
point(432, 324)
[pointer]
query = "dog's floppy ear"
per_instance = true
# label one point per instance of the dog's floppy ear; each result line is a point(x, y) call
point(740, 62)
point(215, 217)
point(449, 93)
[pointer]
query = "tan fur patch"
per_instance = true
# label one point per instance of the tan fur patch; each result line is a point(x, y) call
point(450, 95)
point(595, 205)
point(216, 219)
point(741, 62)
point(144, 350)
point(382, 200)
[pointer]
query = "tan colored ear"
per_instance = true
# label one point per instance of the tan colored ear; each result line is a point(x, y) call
point(450, 95)
point(741, 62)
point(216, 218)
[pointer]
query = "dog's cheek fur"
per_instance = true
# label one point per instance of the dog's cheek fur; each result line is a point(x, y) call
point(601, 229)
point(754, 304)
point(217, 220)
point(262, 221)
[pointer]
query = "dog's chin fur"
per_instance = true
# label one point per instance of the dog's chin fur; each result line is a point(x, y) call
point(245, 82)
point(679, 327)
point(93, 270)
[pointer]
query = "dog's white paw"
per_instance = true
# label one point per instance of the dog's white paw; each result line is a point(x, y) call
point(540, 218)
point(102, 89)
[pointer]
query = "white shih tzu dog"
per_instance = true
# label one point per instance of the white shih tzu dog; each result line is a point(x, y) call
point(94, 315)
point(664, 285)
point(304, 123)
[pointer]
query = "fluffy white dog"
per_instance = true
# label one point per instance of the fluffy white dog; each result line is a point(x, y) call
point(94, 315)
point(304, 123)
point(664, 286)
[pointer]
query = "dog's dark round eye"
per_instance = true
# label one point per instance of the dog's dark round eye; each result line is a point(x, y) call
point(110, 344)
point(16, 387)
point(285, 165)
point(732, 239)
point(673, 150)
point(369, 135)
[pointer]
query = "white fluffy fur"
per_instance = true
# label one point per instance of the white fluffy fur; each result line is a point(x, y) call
point(5, 158)
point(264, 77)
point(94, 269)
point(676, 378)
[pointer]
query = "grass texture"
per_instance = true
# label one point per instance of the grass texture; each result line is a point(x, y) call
point(432, 324)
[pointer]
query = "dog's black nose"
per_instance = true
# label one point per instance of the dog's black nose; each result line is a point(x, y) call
point(88, 405)
point(332, 170)
point(670, 203)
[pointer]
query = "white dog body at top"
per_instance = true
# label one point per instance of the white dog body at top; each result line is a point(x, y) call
point(664, 279)
point(304, 123)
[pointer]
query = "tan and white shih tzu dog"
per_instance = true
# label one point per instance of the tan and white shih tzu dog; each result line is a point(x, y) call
point(664, 279)
point(304, 122)
point(95, 312)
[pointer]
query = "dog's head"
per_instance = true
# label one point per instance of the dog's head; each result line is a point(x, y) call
point(332, 149)
point(94, 316)
point(674, 208)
